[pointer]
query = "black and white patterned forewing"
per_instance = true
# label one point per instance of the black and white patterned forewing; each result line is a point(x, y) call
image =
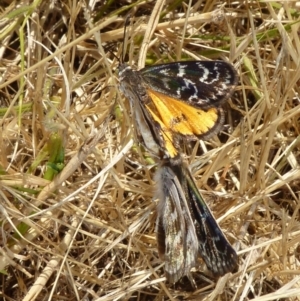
point(203, 84)
point(216, 251)
point(176, 236)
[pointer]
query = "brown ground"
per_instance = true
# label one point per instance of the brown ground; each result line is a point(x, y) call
point(77, 214)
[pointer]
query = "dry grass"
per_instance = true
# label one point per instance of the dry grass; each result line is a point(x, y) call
point(77, 215)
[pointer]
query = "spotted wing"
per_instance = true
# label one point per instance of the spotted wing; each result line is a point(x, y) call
point(214, 248)
point(204, 84)
point(176, 236)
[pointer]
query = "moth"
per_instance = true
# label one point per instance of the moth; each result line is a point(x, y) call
point(177, 101)
point(186, 228)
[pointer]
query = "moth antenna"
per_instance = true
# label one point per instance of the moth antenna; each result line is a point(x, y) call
point(111, 52)
point(124, 36)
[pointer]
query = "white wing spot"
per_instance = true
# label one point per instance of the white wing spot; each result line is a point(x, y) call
point(181, 71)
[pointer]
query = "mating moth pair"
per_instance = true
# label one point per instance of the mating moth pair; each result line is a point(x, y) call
point(172, 103)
